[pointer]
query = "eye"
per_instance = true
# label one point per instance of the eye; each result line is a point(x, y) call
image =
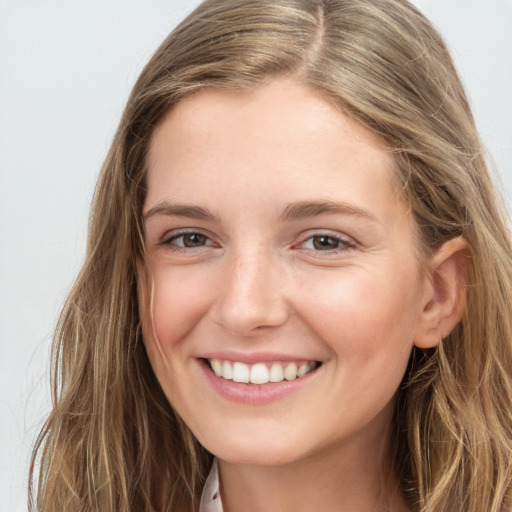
point(187, 240)
point(326, 242)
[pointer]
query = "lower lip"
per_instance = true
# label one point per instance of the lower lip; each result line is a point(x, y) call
point(254, 394)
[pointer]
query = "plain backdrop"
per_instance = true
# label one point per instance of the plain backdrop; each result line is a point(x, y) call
point(66, 69)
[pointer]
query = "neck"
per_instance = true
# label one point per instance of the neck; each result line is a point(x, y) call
point(355, 475)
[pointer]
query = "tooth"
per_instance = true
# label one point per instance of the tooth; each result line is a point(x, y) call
point(303, 369)
point(216, 367)
point(259, 374)
point(290, 372)
point(240, 372)
point(227, 370)
point(276, 373)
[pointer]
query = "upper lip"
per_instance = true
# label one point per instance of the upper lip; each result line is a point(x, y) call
point(255, 357)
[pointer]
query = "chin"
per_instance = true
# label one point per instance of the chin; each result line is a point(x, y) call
point(254, 452)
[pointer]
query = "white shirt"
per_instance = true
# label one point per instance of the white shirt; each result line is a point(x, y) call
point(210, 499)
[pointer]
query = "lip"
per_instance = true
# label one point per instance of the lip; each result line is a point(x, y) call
point(253, 358)
point(254, 394)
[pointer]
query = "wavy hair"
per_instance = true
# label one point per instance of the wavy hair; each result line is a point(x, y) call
point(112, 441)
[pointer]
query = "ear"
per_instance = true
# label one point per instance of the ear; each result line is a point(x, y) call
point(444, 293)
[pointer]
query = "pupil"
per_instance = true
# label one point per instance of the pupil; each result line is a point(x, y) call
point(325, 242)
point(193, 240)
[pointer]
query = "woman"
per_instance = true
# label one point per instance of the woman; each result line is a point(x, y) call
point(296, 265)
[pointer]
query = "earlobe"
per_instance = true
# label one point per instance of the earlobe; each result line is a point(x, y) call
point(445, 293)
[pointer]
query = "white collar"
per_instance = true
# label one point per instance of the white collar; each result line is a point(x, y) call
point(210, 499)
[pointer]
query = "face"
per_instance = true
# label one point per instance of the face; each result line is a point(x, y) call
point(281, 290)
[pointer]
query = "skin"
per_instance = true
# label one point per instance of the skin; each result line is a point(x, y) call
point(258, 281)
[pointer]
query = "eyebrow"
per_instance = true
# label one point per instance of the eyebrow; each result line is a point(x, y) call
point(304, 209)
point(293, 211)
point(181, 210)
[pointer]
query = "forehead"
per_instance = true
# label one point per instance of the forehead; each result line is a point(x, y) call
point(280, 139)
point(280, 106)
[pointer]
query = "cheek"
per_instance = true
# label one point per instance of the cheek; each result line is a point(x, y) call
point(179, 301)
point(171, 306)
point(364, 314)
point(367, 323)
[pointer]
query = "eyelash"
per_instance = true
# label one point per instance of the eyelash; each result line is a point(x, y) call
point(342, 244)
point(178, 248)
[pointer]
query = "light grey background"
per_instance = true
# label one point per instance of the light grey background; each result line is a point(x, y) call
point(66, 69)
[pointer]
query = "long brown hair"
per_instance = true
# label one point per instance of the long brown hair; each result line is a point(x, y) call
point(112, 441)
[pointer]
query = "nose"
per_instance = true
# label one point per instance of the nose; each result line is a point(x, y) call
point(252, 294)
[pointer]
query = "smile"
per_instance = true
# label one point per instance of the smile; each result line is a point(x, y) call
point(261, 373)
